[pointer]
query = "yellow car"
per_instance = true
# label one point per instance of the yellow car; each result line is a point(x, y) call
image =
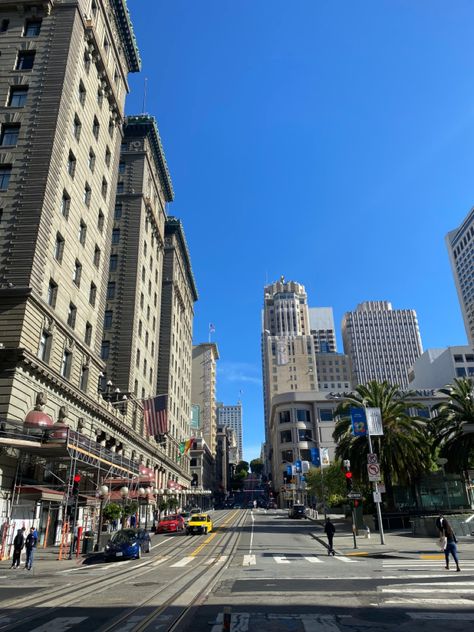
point(199, 523)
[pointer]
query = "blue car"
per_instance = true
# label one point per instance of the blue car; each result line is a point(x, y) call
point(127, 544)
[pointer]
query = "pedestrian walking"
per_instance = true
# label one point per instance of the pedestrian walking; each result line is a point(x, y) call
point(450, 547)
point(439, 525)
point(18, 544)
point(30, 546)
point(330, 530)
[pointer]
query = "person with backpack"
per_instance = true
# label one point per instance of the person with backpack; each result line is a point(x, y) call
point(330, 530)
point(30, 546)
point(18, 544)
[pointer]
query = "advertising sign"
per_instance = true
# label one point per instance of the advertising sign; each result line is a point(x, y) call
point(359, 422)
point(325, 456)
point(315, 457)
point(374, 422)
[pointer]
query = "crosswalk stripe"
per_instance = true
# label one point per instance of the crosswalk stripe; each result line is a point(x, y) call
point(313, 559)
point(413, 591)
point(182, 562)
point(280, 559)
point(209, 561)
point(342, 558)
point(249, 560)
point(222, 559)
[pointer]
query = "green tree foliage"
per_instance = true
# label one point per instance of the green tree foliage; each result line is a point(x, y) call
point(256, 466)
point(112, 511)
point(328, 486)
point(455, 444)
point(238, 480)
point(129, 509)
point(172, 503)
point(242, 466)
point(404, 451)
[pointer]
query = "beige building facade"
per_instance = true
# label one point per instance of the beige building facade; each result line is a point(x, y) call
point(176, 339)
point(203, 391)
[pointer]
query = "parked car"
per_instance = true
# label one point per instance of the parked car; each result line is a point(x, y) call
point(185, 516)
point(199, 523)
point(171, 523)
point(297, 511)
point(127, 544)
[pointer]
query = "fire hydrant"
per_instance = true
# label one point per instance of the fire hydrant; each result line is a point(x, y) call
point(367, 532)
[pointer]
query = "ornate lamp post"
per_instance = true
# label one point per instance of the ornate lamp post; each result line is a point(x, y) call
point(103, 493)
point(124, 492)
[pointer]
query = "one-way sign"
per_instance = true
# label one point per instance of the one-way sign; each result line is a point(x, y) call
point(354, 495)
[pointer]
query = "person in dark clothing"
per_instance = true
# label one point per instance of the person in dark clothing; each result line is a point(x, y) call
point(451, 547)
point(330, 530)
point(30, 546)
point(18, 544)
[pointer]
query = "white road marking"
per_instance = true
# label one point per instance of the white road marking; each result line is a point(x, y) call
point(342, 558)
point(209, 561)
point(60, 624)
point(182, 562)
point(281, 559)
point(412, 591)
point(313, 559)
point(249, 560)
point(436, 602)
point(449, 616)
point(160, 560)
point(222, 559)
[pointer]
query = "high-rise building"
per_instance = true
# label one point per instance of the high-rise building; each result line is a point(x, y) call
point(63, 82)
point(461, 254)
point(437, 368)
point(381, 342)
point(176, 334)
point(231, 417)
point(289, 364)
point(321, 322)
point(203, 390)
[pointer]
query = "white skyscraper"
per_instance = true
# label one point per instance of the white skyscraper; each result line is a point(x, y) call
point(321, 322)
point(460, 244)
point(231, 417)
point(381, 342)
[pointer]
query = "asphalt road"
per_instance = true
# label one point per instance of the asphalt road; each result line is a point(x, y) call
point(266, 571)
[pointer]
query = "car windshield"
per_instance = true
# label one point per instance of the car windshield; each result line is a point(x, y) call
point(199, 518)
point(169, 518)
point(124, 536)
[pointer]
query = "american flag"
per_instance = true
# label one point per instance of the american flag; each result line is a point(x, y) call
point(155, 414)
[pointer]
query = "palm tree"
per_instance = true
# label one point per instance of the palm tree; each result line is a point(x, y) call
point(404, 451)
point(448, 428)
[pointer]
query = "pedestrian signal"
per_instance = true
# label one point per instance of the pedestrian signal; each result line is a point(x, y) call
point(75, 485)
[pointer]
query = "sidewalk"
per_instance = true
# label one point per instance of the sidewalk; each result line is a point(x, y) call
point(398, 543)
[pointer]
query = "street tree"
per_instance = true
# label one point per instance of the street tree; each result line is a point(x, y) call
point(327, 485)
point(449, 427)
point(256, 466)
point(242, 466)
point(404, 450)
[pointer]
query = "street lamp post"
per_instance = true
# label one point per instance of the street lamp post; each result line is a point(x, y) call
point(103, 493)
point(124, 492)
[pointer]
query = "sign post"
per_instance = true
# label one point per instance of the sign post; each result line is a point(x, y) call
point(375, 427)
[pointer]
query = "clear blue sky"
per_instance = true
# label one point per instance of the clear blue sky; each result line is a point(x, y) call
point(331, 142)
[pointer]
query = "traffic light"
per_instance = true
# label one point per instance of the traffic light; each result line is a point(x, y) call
point(348, 476)
point(75, 484)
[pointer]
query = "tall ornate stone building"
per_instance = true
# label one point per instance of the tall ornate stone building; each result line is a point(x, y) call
point(179, 294)
point(63, 82)
point(203, 393)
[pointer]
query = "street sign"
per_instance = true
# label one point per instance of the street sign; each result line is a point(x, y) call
point(298, 466)
point(372, 458)
point(377, 497)
point(373, 470)
point(381, 488)
point(354, 495)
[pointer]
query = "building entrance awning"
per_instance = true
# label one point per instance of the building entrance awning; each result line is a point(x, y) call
point(38, 492)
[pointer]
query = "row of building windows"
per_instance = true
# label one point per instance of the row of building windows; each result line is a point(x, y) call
point(31, 27)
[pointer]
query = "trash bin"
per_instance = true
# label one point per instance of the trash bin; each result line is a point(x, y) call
point(88, 542)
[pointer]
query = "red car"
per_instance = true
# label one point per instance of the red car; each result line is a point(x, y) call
point(171, 523)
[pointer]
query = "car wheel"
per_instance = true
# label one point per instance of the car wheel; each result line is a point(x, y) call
point(205, 530)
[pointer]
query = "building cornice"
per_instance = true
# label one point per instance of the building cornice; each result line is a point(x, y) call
point(173, 226)
point(127, 34)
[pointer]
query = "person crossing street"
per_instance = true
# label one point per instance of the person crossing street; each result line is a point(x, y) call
point(330, 530)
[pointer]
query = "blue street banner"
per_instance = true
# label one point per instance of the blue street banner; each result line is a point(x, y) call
point(289, 470)
point(315, 457)
point(298, 467)
point(359, 422)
